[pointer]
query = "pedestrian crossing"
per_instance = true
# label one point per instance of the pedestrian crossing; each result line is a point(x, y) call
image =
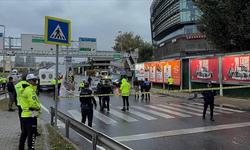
point(152, 112)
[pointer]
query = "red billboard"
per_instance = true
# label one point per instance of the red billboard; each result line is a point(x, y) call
point(204, 69)
point(236, 69)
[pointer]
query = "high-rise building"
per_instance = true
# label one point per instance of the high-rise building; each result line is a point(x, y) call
point(173, 29)
point(30, 61)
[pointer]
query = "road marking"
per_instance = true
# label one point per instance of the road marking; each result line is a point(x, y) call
point(77, 115)
point(154, 112)
point(122, 116)
point(104, 118)
point(168, 111)
point(191, 108)
point(180, 132)
point(233, 110)
point(180, 110)
point(147, 117)
point(215, 110)
point(44, 108)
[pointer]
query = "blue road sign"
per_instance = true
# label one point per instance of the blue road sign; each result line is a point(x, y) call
point(57, 31)
point(1, 35)
point(68, 58)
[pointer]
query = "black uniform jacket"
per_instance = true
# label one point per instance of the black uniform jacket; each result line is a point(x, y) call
point(106, 89)
point(87, 101)
point(209, 95)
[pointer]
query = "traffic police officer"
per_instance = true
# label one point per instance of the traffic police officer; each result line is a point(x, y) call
point(208, 100)
point(87, 104)
point(147, 87)
point(53, 82)
point(4, 80)
point(81, 86)
point(106, 89)
point(31, 109)
point(170, 83)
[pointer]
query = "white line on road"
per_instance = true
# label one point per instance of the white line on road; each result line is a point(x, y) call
point(180, 132)
point(104, 118)
point(238, 111)
point(191, 108)
point(140, 114)
point(77, 115)
point(122, 116)
point(44, 108)
point(154, 112)
point(180, 110)
point(168, 111)
point(215, 110)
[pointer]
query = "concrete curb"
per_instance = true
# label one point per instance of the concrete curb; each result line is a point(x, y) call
point(46, 135)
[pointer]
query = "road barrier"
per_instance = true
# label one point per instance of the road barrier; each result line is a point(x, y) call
point(164, 91)
point(96, 137)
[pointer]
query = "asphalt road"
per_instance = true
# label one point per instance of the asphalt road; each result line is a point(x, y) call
point(163, 123)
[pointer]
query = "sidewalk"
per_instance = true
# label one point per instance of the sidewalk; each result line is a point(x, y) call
point(222, 101)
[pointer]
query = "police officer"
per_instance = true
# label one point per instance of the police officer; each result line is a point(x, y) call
point(31, 109)
point(17, 96)
point(53, 82)
point(147, 87)
point(125, 87)
point(99, 91)
point(87, 105)
point(208, 100)
point(170, 83)
point(81, 86)
point(4, 80)
point(106, 89)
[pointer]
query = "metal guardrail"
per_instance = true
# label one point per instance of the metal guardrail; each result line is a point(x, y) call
point(96, 137)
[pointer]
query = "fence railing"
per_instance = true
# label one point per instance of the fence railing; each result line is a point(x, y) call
point(96, 137)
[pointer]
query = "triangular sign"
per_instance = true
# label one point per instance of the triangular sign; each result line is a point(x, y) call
point(58, 34)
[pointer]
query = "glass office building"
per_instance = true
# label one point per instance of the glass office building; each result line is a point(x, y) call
point(173, 28)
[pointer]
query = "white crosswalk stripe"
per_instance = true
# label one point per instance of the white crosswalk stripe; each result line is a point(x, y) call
point(191, 108)
point(104, 118)
point(168, 111)
point(122, 116)
point(180, 110)
point(215, 110)
point(154, 112)
point(77, 115)
point(222, 108)
point(147, 117)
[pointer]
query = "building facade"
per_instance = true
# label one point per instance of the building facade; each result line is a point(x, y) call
point(173, 29)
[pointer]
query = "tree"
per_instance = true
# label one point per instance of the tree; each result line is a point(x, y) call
point(127, 42)
point(226, 23)
point(146, 52)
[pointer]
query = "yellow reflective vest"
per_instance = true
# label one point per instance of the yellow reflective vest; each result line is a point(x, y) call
point(29, 101)
point(170, 81)
point(18, 86)
point(125, 87)
point(81, 85)
point(53, 82)
point(4, 80)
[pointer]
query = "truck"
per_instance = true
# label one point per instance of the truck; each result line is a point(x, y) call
point(46, 76)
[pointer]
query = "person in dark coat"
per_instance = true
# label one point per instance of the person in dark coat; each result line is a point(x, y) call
point(142, 87)
point(99, 91)
point(136, 86)
point(87, 105)
point(11, 91)
point(208, 100)
point(147, 87)
point(89, 80)
point(106, 89)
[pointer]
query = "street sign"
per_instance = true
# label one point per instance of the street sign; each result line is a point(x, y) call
point(117, 57)
point(1, 41)
point(122, 64)
point(68, 59)
point(57, 31)
point(87, 44)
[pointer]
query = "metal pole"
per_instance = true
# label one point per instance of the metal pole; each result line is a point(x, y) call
point(56, 94)
point(3, 47)
point(67, 65)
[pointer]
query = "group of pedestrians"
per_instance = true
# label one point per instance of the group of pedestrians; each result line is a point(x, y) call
point(145, 87)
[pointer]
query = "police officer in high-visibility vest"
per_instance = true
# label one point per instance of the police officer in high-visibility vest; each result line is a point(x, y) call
point(31, 109)
point(170, 83)
point(53, 82)
point(87, 105)
point(17, 96)
point(4, 80)
point(81, 86)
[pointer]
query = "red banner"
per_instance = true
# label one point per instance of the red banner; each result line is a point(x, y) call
point(236, 69)
point(204, 69)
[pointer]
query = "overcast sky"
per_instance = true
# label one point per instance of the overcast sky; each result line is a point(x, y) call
point(101, 19)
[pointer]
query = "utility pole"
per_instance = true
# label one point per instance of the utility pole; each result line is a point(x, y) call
point(3, 47)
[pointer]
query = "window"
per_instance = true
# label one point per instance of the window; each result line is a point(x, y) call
point(190, 47)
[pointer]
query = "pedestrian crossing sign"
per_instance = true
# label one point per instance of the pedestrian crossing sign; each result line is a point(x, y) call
point(57, 31)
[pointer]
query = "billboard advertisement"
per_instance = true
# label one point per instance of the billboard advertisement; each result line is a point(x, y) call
point(172, 69)
point(146, 70)
point(87, 44)
point(1, 41)
point(236, 69)
point(36, 43)
point(159, 72)
point(152, 71)
point(139, 71)
point(204, 69)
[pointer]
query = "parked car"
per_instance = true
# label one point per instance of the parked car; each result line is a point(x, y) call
point(117, 79)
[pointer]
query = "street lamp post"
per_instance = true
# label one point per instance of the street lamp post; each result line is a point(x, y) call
point(3, 46)
point(121, 39)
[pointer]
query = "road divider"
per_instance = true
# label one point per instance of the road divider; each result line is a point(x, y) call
point(161, 92)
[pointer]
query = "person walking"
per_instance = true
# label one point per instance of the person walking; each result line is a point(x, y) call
point(81, 86)
point(142, 87)
point(31, 109)
point(11, 91)
point(147, 87)
point(106, 89)
point(4, 80)
point(125, 87)
point(99, 91)
point(17, 96)
point(87, 105)
point(136, 86)
point(208, 100)
point(170, 83)
point(89, 80)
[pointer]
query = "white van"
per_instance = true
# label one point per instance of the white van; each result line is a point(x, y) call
point(46, 76)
